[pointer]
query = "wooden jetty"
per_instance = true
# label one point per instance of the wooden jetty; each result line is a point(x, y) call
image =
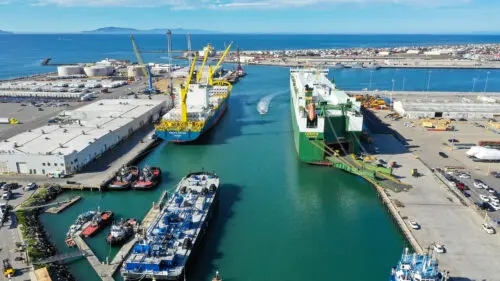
point(63, 206)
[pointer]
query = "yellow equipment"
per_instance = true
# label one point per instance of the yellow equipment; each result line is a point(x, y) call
point(8, 270)
point(185, 90)
point(200, 73)
point(212, 70)
point(139, 58)
point(13, 121)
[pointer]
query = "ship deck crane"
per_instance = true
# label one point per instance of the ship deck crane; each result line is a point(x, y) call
point(200, 73)
point(211, 70)
point(145, 68)
point(185, 90)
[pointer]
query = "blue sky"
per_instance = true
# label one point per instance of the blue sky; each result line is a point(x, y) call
point(246, 16)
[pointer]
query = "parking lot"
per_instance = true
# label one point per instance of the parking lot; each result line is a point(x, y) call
point(10, 238)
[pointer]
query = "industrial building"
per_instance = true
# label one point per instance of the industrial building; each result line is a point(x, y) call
point(469, 107)
point(79, 137)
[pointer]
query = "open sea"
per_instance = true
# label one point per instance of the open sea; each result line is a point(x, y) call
point(278, 219)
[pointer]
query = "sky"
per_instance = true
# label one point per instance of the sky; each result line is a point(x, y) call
point(255, 16)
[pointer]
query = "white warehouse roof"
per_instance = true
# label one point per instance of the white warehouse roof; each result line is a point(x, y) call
point(91, 122)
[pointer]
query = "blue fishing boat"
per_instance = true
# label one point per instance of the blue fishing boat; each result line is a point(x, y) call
point(413, 267)
point(171, 239)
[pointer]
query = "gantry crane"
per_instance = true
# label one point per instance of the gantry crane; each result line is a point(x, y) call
point(185, 90)
point(200, 73)
point(145, 68)
point(211, 70)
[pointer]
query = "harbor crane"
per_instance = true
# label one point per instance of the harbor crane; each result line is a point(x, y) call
point(211, 70)
point(146, 69)
point(200, 73)
point(185, 90)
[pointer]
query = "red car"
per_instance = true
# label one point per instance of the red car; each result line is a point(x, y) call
point(462, 186)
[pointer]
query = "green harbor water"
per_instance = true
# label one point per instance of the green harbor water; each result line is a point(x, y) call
point(278, 219)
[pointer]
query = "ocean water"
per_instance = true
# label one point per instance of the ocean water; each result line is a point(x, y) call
point(278, 219)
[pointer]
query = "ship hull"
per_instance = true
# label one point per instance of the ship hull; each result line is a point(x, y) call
point(172, 136)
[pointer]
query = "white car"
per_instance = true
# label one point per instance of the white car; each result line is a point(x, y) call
point(439, 248)
point(494, 199)
point(495, 205)
point(491, 190)
point(478, 184)
point(484, 198)
point(464, 176)
point(6, 195)
point(488, 228)
point(483, 185)
point(30, 186)
point(413, 224)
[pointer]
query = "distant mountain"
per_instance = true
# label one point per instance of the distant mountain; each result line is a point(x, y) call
point(5, 32)
point(122, 30)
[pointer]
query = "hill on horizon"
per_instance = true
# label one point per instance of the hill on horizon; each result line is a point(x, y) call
point(124, 30)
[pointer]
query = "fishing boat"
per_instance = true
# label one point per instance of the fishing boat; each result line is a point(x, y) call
point(121, 232)
point(98, 222)
point(198, 107)
point(413, 267)
point(148, 178)
point(124, 178)
point(176, 233)
point(79, 222)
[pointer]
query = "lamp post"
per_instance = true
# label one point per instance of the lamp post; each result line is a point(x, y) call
point(486, 83)
point(473, 84)
point(404, 80)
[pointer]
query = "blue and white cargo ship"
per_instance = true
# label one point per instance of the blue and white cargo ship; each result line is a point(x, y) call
point(413, 267)
point(170, 240)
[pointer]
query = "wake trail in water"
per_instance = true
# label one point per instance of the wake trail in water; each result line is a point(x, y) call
point(263, 104)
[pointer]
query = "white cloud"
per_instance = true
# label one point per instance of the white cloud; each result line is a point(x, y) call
point(238, 4)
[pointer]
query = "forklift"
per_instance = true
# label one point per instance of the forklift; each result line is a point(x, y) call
point(8, 270)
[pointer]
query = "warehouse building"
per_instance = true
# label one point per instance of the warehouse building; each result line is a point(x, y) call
point(80, 136)
point(453, 107)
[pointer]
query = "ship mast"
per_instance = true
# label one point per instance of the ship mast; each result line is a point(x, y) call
point(240, 69)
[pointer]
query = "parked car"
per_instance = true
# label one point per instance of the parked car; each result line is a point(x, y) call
point(413, 224)
point(30, 186)
point(7, 195)
point(491, 190)
point(466, 194)
point(453, 141)
point(488, 228)
point(439, 248)
point(494, 199)
point(442, 154)
point(484, 198)
point(463, 176)
point(494, 205)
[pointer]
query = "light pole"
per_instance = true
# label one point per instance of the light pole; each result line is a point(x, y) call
point(486, 83)
point(404, 80)
point(428, 83)
point(473, 84)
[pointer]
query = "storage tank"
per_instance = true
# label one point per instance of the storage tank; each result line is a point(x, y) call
point(98, 70)
point(135, 71)
point(69, 70)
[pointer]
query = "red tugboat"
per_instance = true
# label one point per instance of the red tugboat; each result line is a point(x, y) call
point(148, 178)
point(97, 224)
point(121, 232)
point(124, 178)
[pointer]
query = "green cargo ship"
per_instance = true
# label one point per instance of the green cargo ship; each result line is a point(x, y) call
point(325, 119)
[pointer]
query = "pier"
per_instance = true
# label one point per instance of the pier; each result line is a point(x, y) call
point(63, 206)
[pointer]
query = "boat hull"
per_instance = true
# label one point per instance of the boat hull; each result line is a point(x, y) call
point(173, 136)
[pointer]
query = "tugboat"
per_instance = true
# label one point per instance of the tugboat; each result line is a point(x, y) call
point(217, 277)
point(121, 232)
point(413, 267)
point(124, 178)
point(79, 222)
point(149, 178)
point(98, 222)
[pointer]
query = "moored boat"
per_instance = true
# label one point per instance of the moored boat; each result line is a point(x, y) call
point(98, 222)
point(198, 108)
point(413, 267)
point(121, 232)
point(148, 178)
point(174, 236)
point(124, 178)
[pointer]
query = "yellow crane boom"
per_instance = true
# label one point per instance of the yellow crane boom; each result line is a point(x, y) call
point(212, 70)
point(200, 73)
point(139, 58)
point(185, 90)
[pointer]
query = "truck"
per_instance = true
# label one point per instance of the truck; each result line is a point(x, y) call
point(8, 270)
point(7, 120)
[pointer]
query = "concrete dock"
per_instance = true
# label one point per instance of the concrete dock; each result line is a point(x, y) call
point(102, 269)
point(63, 206)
